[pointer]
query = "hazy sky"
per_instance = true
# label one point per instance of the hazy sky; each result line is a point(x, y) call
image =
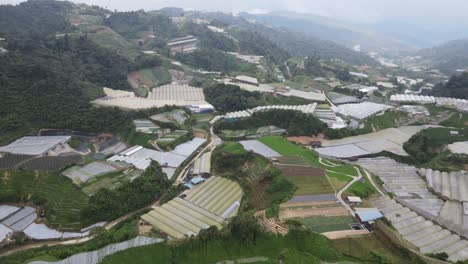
point(356, 10)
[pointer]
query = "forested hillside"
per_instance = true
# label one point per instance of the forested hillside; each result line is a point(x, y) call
point(456, 87)
point(47, 81)
point(296, 44)
point(447, 57)
point(326, 28)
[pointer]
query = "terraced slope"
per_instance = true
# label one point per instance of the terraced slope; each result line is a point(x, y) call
point(422, 233)
point(207, 204)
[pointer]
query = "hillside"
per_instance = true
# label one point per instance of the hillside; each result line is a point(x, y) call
point(456, 87)
point(447, 57)
point(345, 34)
point(295, 43)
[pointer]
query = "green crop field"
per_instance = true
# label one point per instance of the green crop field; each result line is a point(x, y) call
point(110, 181)
point(361, 189)
point(338, 181)
point(64, 199)
point(234, 148)
point(311, 185)
point(364, 247)
point(321, 224)
point(287, 148)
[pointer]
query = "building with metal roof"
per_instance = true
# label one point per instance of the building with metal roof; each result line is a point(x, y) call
point(246, 79)
point(34, 145)
point(319, 97)
point(368, 214)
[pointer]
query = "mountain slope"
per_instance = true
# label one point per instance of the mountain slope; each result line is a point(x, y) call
point(447, 57)
point(324, 28)
point(297, 44)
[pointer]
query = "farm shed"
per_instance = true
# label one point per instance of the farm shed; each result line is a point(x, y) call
point(246, 80)
point(34, 145)
point(354, 199)
point(368, 214)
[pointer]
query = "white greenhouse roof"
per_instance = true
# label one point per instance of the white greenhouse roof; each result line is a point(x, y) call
point(259, 148)
point(34, 145)
point(361, 110)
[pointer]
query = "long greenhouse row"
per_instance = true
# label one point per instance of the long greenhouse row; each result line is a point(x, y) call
point(422, 233)
point(451, 185)
point(207, 204)
point(307, 109)
point(404, 182)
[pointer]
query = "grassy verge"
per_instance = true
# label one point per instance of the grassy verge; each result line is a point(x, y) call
point(338, 181)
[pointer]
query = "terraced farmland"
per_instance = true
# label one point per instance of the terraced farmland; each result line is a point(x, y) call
point(207, 204)
point(64, 199)
point(110, 181)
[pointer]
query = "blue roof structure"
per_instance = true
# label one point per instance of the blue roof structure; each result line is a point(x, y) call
point(188, 185)
point(368, 214)
point(197, 180)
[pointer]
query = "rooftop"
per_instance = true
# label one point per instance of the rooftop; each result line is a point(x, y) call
point(34, 145)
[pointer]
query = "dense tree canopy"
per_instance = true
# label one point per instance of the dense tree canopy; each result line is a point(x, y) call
point(214, 60)
point(230, 98)
point(295, 122)
point(109, 204)
point(456, 87)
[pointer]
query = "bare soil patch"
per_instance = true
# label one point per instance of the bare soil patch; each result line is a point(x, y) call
point(289, 170)
point(305, 140)
point(332, 210)
point(137, 78)
point(6, 177)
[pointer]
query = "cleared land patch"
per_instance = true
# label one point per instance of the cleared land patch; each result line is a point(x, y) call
point(323, 224)
point(295, 170)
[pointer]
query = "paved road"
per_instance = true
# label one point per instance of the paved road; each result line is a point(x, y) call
point(339, 194)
